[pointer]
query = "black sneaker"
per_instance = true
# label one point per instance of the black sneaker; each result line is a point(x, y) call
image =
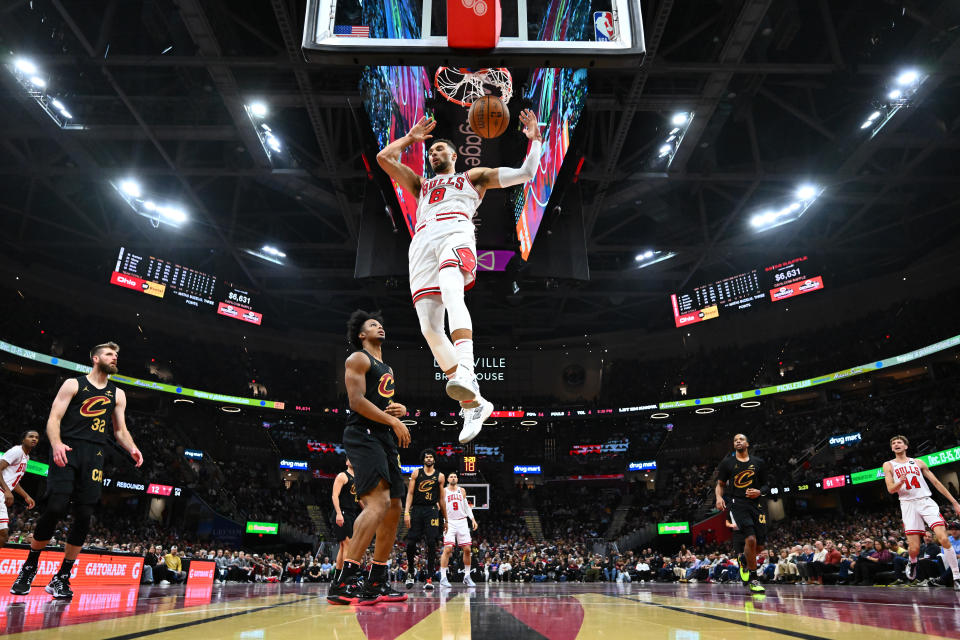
point(351, 591)
point(389, 594)
point(21, 586)
point(59, 588)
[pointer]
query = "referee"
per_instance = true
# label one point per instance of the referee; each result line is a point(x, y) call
point(423, 521)
point(747, 478)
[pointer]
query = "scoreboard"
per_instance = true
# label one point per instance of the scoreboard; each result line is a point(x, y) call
point(168, 280)
point(756, 287)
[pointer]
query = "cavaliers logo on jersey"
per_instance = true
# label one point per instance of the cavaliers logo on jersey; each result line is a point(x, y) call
point(426, 486)
point(95, 406)
point(744, 479)
point(385, 388)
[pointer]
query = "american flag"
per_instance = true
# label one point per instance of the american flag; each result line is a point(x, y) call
point(345, 31)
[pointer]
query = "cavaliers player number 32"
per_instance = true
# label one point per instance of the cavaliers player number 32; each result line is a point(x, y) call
point(443, 252)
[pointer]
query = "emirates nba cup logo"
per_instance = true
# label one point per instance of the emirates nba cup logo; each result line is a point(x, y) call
point(385, 388)
point(90, 408)
point(743, 479)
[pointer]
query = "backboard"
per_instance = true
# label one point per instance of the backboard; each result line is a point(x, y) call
point(534, 33)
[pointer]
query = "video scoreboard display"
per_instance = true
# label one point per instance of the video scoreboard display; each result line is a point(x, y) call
point(746, 290)
point(169, 280)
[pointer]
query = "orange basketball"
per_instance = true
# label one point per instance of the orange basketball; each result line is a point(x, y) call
point(489, 117)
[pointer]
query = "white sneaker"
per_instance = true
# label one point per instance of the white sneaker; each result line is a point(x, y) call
point(467, 580)
point(444, 582)
point(164, 583)
point(473, 420)
point(409, 583)
point(463, 385)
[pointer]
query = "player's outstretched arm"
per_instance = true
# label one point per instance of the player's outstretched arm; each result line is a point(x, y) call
point(389, 156)
point(485, 178)
point(936, 484)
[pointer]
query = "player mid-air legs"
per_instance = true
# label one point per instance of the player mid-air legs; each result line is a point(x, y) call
point(443, 252)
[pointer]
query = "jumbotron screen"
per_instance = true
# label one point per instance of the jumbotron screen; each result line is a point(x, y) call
point(773, 283)
point(169, 280)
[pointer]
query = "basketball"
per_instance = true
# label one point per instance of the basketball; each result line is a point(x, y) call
point(489, 117)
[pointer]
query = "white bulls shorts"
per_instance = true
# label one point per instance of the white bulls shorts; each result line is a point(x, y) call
point(918, 514)
point(4, 518)
point(457, 533)
point(442, 244)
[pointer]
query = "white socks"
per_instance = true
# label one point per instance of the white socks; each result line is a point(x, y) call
point(950, 557)
point(443, 573)
point(464, 348)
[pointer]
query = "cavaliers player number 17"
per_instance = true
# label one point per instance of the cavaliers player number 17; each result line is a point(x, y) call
point(443, 252)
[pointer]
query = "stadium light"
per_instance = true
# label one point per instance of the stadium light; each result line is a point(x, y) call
point(132, 193)
point(38, 82)
point(807, 191)
point(651, 257)
point(679, 118)
point(273, 251)
point(908, 77)
point(31, 81)
point(131, 188)
point(895, 94)
point(789, 211)
point(25, 66)
point(259, 109)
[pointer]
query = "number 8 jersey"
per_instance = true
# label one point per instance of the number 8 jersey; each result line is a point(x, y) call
point(446, 196)
point(915, 485)
point(89, 416)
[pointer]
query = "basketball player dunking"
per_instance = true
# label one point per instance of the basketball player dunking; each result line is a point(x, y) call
point(371, 437)
point(749, 478)
point(346, 506)
point(443, 252)
point(456, 510)
point(85, 410)
point(423, 521)
point(908, 478)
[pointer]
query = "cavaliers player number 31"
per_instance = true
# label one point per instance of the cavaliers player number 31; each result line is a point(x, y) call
point(443, 252)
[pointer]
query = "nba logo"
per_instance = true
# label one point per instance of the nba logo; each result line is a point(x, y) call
point(603, 23)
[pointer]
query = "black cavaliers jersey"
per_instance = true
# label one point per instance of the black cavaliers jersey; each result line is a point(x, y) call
point(740, 476)
point(427, 491)
point(348, 494)
point(89, 416)
point(379, 391)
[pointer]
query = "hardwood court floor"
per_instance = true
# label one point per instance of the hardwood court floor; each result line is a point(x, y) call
point(491, 612)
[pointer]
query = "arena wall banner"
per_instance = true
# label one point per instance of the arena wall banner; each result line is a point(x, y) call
point(813, 382)
point(90, 570)
point(931, 459)
point(137, 382)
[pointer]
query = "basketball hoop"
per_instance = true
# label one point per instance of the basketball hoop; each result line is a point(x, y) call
point(462, 86)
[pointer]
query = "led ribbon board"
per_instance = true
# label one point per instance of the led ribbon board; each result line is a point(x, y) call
point(270, 528)
point(671, 528)
point(137, 382)
point(813, 382)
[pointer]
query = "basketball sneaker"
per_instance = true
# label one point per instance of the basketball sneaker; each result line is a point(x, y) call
point(467, 580)
point(21, 586)
point(429, 585)
point(911, 572)
point(754, 586)
point(409, 583)
point(444, 582)
point(59, 588)
point(744, 571)
point(350, 590)
point(389, 594)
point(463, 385)
point(473, 420)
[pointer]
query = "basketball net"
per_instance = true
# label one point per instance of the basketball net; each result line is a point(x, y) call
point(462, 86)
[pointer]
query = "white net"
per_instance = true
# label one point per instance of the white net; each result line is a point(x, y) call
point(462, 86)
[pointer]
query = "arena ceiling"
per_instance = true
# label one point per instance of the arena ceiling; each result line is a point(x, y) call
point(779, 90)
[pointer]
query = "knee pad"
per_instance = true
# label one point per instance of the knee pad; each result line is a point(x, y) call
point(55, 511)
point(81, 524)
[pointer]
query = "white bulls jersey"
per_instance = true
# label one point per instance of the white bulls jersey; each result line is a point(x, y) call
point(447, 197)
point(455, 504)
point(16, 466)
point(915, 485)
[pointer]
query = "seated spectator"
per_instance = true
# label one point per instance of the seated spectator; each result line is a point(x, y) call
point(175, 572)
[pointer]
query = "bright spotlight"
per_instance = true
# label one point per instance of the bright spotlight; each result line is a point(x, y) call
point(25, 66)
point(866, 124)
point(273, 143)
point(806, 192)
point(150, 205)
point(131, 188)
point(57, 104)
point(173, 214)
point(665, 149)
point(66, 114)
point(895, 94)
point(907, 77)
point(675, 131)
point(873, 116)
point(679, 119)
point(648, 254)
point(38, 82)
point(259, 109)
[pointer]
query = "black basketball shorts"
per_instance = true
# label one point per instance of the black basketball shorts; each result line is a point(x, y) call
point(749, 518)
point(346, 531)
point(424, 523)
point(373, 453)
point(82, 477)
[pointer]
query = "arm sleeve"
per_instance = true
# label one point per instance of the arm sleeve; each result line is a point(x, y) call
point(509, 176)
